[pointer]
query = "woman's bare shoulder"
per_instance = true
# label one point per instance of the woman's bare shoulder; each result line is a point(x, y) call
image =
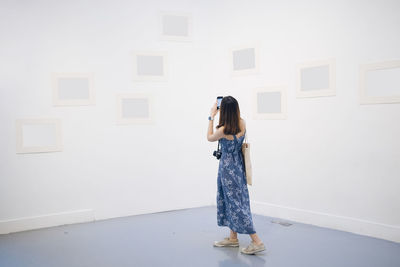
point(243, 124)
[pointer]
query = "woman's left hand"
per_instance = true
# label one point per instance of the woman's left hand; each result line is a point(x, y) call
point(214, 110)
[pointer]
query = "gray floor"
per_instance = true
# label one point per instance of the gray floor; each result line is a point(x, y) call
point(185, 238)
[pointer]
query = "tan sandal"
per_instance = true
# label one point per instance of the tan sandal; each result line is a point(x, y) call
point(253, 248)
point(227, 242)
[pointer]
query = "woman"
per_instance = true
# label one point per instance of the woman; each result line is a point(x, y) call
point(233, 205)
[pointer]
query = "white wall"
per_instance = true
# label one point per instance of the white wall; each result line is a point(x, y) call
point(105, 169)
point(331, 163)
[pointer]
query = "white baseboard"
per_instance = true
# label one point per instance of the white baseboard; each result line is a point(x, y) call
point(147, 210)
point(70, 217)
point(47, 220)
point(349, 224)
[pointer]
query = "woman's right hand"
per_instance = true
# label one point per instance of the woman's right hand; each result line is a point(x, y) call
point(214, 110)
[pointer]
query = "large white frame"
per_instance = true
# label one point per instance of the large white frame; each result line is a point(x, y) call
point(121, 120)
point(255, 70)
point(330, 91)
point(364, 98)
point(72, 102)
point(163, 77)
point(38, 149)
point(270, 116)
point(176, 38)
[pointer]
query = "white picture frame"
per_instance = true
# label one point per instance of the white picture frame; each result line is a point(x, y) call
point(175, 26)
point(150, 66)
point(276, 99)
point(244, 60)
point(373, 75)
point(139, 99)
point(46, 140)
point(68, 86)
point(316, 78)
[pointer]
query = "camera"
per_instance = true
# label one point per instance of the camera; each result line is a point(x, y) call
point(217, 153)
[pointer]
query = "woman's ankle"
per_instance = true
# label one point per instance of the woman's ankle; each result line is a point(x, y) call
point(258, 242)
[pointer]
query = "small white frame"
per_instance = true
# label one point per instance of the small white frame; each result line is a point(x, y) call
point(329, 91)
point(176, 38)
point(73, 102)
point(21, 148)
point(366, 99)
point(249, 71)
point(121, 120)
point(272, 115)
point(138, 77)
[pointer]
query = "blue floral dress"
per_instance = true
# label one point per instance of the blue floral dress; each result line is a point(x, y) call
point(233, 204)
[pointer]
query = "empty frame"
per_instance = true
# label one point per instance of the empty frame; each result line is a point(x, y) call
point(380, 82)
point(316, 78)
point(150, 66)
point(244, 60)
point(175, 27)
point(73, 89)
point(134, 108)
point(38, 135)
point(270, 103)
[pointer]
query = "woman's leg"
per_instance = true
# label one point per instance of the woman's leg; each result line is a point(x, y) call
point(256, 239)
point(233, 235)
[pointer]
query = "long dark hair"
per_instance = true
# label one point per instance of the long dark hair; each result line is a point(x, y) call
point(229, 115)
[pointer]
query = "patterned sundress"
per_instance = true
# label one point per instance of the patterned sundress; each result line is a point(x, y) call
point(233, 204)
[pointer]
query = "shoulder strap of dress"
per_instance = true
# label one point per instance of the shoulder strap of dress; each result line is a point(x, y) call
point(236, 140)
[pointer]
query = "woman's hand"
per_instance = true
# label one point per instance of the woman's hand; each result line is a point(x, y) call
point(214, 110)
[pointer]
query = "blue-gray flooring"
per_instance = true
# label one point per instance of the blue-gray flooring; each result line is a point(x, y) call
point(185, 238)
